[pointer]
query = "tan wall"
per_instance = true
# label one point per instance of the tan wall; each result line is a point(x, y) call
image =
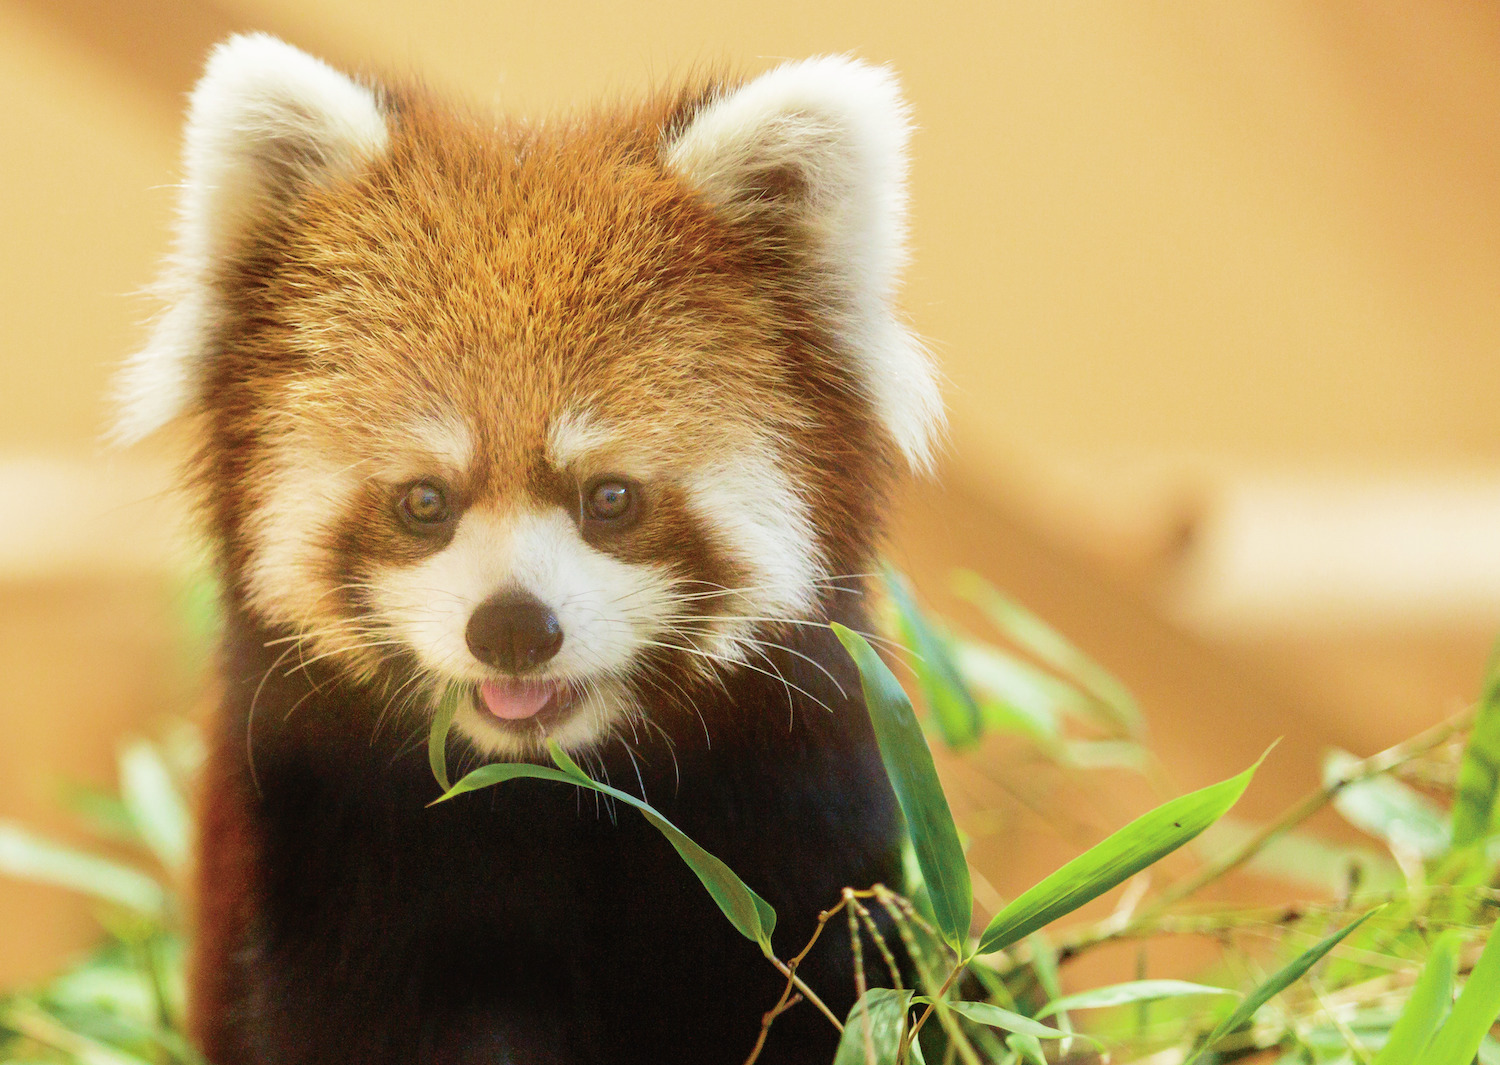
point(1159, 249)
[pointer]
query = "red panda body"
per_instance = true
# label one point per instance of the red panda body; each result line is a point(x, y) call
point(588, 425)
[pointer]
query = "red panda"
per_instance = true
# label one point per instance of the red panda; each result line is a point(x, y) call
point(590, 423)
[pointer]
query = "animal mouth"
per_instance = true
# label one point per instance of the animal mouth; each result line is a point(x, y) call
point(518, 701)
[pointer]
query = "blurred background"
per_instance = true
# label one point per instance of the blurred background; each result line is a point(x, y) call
point(1214, 287)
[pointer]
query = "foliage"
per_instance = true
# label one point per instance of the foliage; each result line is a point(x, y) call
point(1368, 977)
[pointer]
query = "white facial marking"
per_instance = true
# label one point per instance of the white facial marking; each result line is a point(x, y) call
point(446, 441)
point(607, 610)
point(575, 437)
point(753, 510)
point(288, 530)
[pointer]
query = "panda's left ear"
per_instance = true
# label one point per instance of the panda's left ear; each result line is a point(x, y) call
point(821, 145)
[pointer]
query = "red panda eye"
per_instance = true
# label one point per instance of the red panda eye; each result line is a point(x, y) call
point(424, 504)
point(609, 500)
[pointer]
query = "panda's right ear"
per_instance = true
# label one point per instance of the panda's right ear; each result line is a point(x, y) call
point(266, 120)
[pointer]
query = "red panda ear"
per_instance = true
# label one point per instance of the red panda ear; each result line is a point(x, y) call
point(265, 120)
point(822, 143)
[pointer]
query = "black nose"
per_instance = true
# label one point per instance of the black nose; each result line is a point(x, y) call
point(513, 632)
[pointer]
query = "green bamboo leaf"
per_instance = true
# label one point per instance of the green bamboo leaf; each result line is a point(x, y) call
point(752, 916)
point(988, 1014)
point(1024, 692)
point(156, 807)
point(1476, 1010)
point(876, 1024)
point(1479, 772)
point(1388, 809)
point(1034, 635)
point(908, 763)
point(32, 858)
point(947, 695)
point(437, 737)
point(1279, 982)
point(1134, 991)
point(1048, 973)
point(1144, 841)
point(1424, 1010)
point(1026, 1048)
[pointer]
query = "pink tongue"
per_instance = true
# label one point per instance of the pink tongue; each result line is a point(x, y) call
point(516, 699)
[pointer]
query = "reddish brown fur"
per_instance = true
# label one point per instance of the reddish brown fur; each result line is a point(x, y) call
point(550, 266)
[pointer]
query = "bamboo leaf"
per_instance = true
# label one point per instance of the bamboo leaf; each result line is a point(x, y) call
point(1035, 636)
point(1388, 809)
point(33, 858)
point(437, 737)
point(750, 914)
point(943, 688)
point(1279, 982)
point(908, 763)
point(1476, 1010)
point(1134, 991)
point(876, 1025)
point(156, 807)
point(1479, 772)
point(1144, 841)
point(1424, 1010)
point(1006, 1020)
point(1026, 1048)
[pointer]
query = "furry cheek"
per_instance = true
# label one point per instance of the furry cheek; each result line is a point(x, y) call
point(752, 509)
point(289, 531)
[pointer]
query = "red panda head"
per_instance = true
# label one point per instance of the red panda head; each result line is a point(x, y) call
point(540, 413)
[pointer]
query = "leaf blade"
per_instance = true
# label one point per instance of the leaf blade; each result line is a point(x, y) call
point(876, 1026)
point(751, 915)
point(908, 764)
point(157, 809)
point(31, 857)
point(1423, 1013)
point(1479, 771)
point(1279, 981)
point(1477, 1008)
point(1126, 993)
point(1119, 857)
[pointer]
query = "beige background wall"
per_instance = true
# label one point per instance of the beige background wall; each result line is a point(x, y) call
point(1214, 285)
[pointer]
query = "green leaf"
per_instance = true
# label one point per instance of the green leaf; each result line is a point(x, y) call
point(1476, 1010)
point(1144, 841)
point(750, 914)
point(1279, 982)
point(1134, 991)
point(1479, 772)
point(1388, 809)
point(947, 696)
point(1035, 636)
point(156, 806)
point(32, 858)
point(908, 763)
point(1026, 1048)
point(1024, 691)
point(1424, 1011)
point(1049, 977)
point(876, 1025)
point(995, 1017)
point(437, 737)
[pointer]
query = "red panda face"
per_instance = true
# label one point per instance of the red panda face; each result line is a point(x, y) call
point(548, 417)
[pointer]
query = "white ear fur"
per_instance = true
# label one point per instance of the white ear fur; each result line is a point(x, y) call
point(837, 128)
point(264, 119)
